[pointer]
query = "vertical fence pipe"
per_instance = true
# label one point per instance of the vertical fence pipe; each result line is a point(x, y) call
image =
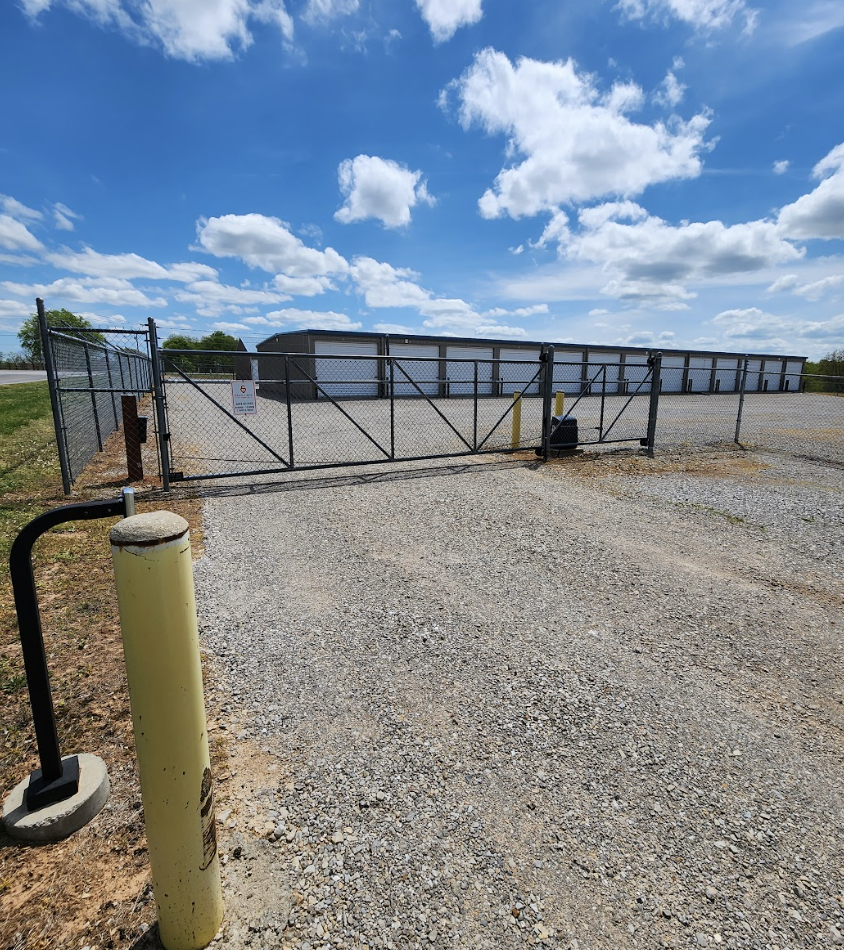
point(547, 383)
point(559, 403)
point(52, 385)
point(155, 595)
point(475, 421)
point(653, 405)
point(516, 439)
point(113, 394)
point(289, 409)
point(160, 411)
point(392, 409)
point(93, 396)
point(742, 390)
point(603, 400)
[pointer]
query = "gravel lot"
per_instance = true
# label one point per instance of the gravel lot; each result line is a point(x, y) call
point(591, 704)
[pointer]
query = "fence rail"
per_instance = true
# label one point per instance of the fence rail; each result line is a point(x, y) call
point(326, 410)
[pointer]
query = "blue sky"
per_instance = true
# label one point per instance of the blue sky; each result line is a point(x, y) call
point(645, 172)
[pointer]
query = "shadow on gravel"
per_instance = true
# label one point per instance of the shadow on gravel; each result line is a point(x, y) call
point(339, 481)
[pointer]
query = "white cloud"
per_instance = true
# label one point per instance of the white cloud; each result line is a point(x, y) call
point(63, 217)
point(786, 282)
point(185, 29)
point(819, 214)
point(808, 21)
point(754, 325)
point(302, 286)
point(108, 290)
point(817, 288)
point(701, 14)
point(128, 266)
point(267, 243)
point(229, 327)
point(310, 319)
point(671, 91)
point(14, 308)
point(577, 143)
point(14, 236)
point(499, 330)
point(393, 328)
point(386, 286)
point(379, 188)
point(649, 259)
point(329, 9)
point(781, 167)
point(15, 209)
point(445, 17)
point(212, 299)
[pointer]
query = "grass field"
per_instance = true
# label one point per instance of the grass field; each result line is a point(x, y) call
point(94, 887)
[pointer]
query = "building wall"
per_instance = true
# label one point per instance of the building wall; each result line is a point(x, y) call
point(613, 369)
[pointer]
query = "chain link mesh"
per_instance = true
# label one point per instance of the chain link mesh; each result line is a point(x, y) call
point(93, 369)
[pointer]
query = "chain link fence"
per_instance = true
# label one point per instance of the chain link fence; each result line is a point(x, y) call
point(91, 370)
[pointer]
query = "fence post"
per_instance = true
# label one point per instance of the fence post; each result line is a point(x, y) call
point(93, 395)
point(392, 408)
point(289, 408)
point(112, 394)
point(52, 384)
point(160, 410)
point(155, 596)
point(547, 386)
point(475, 422)
point(742, 390)
point(653, 406)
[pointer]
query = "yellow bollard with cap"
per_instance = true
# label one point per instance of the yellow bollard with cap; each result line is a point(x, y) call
point(516, 438)
point(559, 402)
point(153, 570)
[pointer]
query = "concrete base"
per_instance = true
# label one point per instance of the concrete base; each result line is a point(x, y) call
point(63, 818)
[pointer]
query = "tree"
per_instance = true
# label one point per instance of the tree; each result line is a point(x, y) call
point(30, 335)
point(202, 364)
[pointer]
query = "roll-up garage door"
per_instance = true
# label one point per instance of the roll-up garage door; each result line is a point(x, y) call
point(671, 378)
point(753, 368)
point(461, 376)
point(568, 372)
point(516, 377)
point(792, 380)
point(421, 363)
point(611, 361)
point(635, 372)
point(773, 370)
point(349, 377)
point(726, 374)
point(700, 374)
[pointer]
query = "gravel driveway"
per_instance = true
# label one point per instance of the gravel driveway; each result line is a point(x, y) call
point(591, 704)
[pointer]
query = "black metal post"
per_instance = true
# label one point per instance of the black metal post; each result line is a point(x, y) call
point(52, 384)
point(289, 408)
point(655, 362)
point(55, 780)
point(111, 387)
point(475, 420)
point(392, 409)
point(547, 386)
point(742, 390)
point(93, 396)
point(603, 401)
point(160, 411)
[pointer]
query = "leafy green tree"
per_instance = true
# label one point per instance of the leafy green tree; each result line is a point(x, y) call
point(30, 336)
point(202, 364)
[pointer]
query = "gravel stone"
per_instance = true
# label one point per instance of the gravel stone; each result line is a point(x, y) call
point(491, 687)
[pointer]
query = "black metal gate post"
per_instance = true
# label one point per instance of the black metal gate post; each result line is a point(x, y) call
point(93, 395)
point(742, 390)
point(475, 418)
point(55, 780)
point(289, 408)
point(392, 408)
point(655, 362)
point(546, 387)
point(52, 384)
point(160, 410)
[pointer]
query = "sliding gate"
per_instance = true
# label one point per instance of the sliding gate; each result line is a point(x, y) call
point(239, 414)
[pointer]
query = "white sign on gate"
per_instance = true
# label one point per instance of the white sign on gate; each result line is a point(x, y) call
point(243, 397)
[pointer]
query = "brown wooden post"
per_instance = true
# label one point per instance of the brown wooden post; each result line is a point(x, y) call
point(132, 437)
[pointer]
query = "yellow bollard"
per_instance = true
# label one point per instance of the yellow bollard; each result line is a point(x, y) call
point(558, 403)
point(516, 439)
point(152, 566)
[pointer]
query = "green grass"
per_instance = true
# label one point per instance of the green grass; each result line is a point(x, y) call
point(29, 465)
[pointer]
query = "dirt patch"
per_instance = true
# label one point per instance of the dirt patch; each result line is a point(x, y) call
point(94, 888)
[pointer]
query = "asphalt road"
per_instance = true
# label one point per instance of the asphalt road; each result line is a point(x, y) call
point(9, 376)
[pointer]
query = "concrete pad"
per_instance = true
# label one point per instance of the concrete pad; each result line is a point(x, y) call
point(63, 818)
